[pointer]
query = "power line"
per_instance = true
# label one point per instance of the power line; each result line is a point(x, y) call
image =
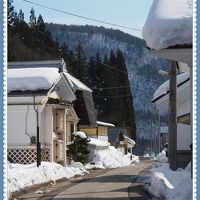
point(83, 17)
point(106, 65)
point(117, 96)
point(41, 32)
point(108, 88)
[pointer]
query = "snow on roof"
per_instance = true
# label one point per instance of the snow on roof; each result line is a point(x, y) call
point(130, 141)
point(99, 143)
point(80, 134)
point(35, 64)
point(164, 88)
point(32, 79)
point(76, 83)
point(169, 23)
point(105, 124)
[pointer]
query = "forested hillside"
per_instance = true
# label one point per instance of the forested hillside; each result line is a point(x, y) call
point(106, 75)
point(142, 67)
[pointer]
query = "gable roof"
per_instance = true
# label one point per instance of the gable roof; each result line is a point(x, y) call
point(113, 133)
point(33, 77)
point(35, 64)
point(76, 84)
point(38, 81)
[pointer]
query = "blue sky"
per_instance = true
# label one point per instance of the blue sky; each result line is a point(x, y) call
point(131, 13)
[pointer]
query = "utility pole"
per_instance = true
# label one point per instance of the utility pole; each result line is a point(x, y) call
point(151, 135)
point(172, 148)
point(38, 144)
point(159, 149)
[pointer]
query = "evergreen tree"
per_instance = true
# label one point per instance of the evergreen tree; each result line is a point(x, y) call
point(78, 150)
point(81, 66)
point(21, 16)
point(64, 52)
point(126, 103)
point(10, 13)
point(40, 24)
point(32, 18)
point(97, 70)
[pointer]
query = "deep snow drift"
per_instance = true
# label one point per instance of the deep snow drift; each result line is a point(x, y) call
point(171, 185)
point(22, 176)
point(111, 158)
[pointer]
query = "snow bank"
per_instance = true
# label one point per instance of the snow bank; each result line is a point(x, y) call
point(164, 88)
point(22, 176)
point(80, 134)
point(169, 23)
point(111, 158)
point(146, 155)
point(32, 79)
point(161, 157)
point(170, 185)
point(99, 143)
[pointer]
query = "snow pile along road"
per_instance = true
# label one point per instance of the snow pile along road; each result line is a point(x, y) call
point(22, 176)
point(161, 157)
point(111, 158)
point(169, 185)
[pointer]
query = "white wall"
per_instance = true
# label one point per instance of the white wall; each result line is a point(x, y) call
point(184, 137)
point(47, 125)
point(103, 137)
point(183, 97)
point(21, 119)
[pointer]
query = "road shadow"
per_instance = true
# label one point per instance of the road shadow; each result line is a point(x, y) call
point(108, 179)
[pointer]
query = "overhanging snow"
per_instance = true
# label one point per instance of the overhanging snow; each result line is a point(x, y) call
point(169, 23)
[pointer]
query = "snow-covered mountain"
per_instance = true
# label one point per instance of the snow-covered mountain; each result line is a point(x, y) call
point(142, 67)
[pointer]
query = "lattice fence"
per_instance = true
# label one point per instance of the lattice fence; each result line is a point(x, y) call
point(46, 154)
point(26, 155)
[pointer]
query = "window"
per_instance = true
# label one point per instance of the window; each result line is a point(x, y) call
point(72, 131)
point(184, 119)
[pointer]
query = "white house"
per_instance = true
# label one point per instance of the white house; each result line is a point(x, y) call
point(184, 133)
point(168, 34)
point(168, 30)
point(41, 98)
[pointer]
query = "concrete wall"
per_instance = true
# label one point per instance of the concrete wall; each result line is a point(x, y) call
point(104, 138)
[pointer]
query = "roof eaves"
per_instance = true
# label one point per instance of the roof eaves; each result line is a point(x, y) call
point(159, 97)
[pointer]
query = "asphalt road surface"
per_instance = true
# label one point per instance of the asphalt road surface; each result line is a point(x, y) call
point(108, 184)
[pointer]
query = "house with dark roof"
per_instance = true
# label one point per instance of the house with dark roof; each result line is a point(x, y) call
point(45, 106)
